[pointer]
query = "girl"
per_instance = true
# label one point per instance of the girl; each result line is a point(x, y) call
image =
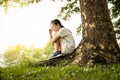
point(62, 40)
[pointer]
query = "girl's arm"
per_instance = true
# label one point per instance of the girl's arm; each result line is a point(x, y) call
point(54, 38)
point(50, 33)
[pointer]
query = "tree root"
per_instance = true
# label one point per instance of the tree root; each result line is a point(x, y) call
point(71, 58)
point(63, 60)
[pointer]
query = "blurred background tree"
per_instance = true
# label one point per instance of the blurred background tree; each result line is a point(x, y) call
point(19, 54)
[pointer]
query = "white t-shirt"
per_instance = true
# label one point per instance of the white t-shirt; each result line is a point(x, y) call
point(68, 44)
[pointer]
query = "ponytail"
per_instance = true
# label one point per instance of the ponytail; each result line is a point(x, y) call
point(56, 22)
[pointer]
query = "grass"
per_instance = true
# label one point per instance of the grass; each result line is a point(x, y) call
point(97, 72)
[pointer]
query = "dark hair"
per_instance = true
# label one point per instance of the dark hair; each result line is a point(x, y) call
point(56, 22)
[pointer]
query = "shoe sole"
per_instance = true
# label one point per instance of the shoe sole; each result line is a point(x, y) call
point(57, 56)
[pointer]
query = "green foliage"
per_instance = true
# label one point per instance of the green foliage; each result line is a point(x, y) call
point(116, 25)
point(20, 54)
point(6, 4)
point(78, 29)
point(48, 49)
point(115, 10)
point(0, 72)
point(97, 72)
point(69, 8)
point(115, 14)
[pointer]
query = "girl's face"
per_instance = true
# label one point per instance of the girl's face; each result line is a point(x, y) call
point(55, 27)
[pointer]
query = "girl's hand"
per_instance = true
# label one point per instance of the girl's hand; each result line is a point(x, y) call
point(50, 30)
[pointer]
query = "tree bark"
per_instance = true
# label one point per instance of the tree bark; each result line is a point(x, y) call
point(98, 44)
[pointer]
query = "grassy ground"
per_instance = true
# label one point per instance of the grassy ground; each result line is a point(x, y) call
point(97, 72)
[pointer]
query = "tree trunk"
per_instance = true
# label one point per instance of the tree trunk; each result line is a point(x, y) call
point(98, 44)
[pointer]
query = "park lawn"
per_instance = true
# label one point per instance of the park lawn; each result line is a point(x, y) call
point(96, 72)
